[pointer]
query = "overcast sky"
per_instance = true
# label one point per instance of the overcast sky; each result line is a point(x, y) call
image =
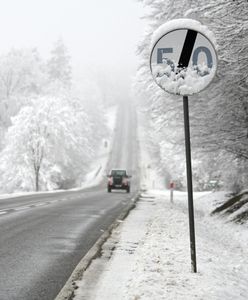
point(97, 33)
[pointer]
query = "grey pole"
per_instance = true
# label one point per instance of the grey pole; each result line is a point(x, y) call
point(189, 184)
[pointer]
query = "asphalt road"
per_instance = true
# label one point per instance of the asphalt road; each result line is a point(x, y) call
point(43, 237)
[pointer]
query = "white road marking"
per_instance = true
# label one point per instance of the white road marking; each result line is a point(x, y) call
point(40, 204)
point(21, 208)
point(34, 205)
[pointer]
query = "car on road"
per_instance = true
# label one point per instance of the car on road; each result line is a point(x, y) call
point(118, 179)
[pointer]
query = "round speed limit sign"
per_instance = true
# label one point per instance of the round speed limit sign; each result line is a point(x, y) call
point(183, 59)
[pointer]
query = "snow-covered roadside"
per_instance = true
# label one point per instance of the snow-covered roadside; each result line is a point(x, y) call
point(151, 258)
point(148, 255)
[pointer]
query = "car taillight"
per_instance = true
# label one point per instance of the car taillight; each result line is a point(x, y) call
point(125, 181)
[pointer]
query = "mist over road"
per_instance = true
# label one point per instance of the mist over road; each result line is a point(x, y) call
point(44, 236)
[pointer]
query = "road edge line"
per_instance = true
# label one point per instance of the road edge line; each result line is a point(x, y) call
point(67, 292)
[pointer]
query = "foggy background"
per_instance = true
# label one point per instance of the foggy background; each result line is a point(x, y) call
point(101, 36)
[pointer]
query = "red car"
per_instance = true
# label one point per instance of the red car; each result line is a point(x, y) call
point(119, 180)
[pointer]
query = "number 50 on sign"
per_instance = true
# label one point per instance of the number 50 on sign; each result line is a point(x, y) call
point(183, 61)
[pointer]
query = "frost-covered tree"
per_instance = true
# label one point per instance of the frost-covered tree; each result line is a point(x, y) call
point(21, 74)
point(59, 67)
point(219, 114)
point(226, 101)
point(49, 129)
point(46, 146)
point(225, 129)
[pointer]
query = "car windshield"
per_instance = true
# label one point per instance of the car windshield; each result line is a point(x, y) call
point(118, 173)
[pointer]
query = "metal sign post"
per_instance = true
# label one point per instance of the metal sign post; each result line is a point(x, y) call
point(183, 61)
point(189, 184)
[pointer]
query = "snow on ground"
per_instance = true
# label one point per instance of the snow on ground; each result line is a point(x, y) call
point(148, 255)
point(151, 258)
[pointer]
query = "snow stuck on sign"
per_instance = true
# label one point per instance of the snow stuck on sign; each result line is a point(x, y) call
point(183, 57)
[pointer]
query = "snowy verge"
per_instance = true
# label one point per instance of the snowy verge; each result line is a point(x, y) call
point(235, 209)
point(148, 257)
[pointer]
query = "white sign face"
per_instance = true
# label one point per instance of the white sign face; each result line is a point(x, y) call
point(183, 61)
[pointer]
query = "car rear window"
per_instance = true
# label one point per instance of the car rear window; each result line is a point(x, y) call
point(118, 173)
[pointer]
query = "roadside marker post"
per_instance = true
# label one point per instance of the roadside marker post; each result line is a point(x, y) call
point(172, 186)
point(183, 61)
